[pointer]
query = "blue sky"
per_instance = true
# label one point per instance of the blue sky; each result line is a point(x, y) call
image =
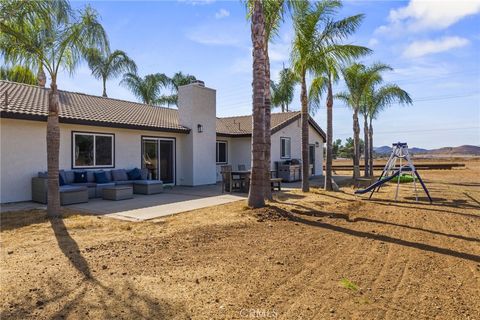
point(434, 48)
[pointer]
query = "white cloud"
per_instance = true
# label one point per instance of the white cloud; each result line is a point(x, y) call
point(372, 42)
point(222, 13)
point(209, 36)
point(421, 48)
point(421, 15)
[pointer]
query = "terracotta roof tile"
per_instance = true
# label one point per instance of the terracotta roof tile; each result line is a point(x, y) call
point(28, 101)
point(33, 100)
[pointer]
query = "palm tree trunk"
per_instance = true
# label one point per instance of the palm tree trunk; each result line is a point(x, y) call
point(305, 164)
point(356, 145)
point(256, 193)
point(366, 150)
point(104, 88)
point(53, 146)
point(370, 145)
point(328, 164)
point(41, 77)
point(268, 138)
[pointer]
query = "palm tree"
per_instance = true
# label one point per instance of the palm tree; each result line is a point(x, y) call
point(256, 195)
point(109, 65)
point(19, 74)
point(178, 79)
point(146, 89)
point(272, 14)
point(47, 34)
point(358, 78)
point(327, 73)
point(283, 91)
point(377, 99)
point(316, 50)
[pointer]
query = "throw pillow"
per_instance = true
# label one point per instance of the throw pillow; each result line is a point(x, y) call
point(80, 177)
point(101, 177)
point(119, 175)
point(134, 174)
point(61, 182)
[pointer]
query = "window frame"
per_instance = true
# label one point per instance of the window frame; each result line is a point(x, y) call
point(289, 156)
point(217, 151)
point(94, 134)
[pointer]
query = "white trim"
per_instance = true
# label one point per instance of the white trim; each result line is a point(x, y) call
point(218, 153)
point(289, 154)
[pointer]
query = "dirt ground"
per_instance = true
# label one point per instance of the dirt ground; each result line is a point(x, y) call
point(307, 256)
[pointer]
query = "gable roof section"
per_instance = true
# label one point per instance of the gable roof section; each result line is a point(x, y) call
point(242, 126)
point(31, 103)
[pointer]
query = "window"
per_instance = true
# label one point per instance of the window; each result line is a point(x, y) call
point(285, 148)
point(222, 152)
point(92, 150)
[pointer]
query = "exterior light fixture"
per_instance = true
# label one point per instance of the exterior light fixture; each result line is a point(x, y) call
point(317, 144)
point(199, 128)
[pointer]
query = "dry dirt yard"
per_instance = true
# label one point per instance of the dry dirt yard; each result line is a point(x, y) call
point(316, 256)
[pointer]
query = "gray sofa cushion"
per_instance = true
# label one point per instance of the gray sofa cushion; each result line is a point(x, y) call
point(70, 177)
point(146, 182)
point(84, 184)
point(68, 188)
point(90, 176)
point(108, 173)
point(144, 173)
point(119, 175)
point(42, 174)
point(125, 182)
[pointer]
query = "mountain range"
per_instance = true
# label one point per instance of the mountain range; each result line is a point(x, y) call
point(461, 150)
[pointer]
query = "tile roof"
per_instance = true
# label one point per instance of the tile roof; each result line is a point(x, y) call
point(242, 125)
point(28, 101)
point(24, 101)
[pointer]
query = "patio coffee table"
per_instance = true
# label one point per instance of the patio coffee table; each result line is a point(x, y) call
point(117, 193)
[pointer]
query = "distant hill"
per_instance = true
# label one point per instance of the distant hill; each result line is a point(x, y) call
point(463, 150)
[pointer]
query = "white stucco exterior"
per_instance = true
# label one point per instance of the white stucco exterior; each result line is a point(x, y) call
point(197, 109)
point(239, 149)
point(23, 145)
point(24, 152)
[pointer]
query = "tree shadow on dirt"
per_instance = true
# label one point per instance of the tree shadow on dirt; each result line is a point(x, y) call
point(374, 236)
point(90, 297)
point(18, 219)
point(314, 213)
point(426, 207)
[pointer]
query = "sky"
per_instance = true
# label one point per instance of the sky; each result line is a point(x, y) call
point(433, 46)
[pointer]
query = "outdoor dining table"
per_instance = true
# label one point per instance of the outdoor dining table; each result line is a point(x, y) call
point(244, 175)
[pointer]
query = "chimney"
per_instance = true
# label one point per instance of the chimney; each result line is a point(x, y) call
point(197, 111)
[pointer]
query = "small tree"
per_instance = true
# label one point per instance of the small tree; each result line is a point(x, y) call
point(19, 74)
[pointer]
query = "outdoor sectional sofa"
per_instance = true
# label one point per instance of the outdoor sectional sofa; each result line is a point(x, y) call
point(77, 192)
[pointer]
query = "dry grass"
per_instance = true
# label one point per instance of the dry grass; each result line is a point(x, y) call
point(314, 256)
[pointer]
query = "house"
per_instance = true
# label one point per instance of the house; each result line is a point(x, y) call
point(180, 147)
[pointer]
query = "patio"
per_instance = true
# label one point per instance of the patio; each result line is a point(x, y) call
point(172, 201)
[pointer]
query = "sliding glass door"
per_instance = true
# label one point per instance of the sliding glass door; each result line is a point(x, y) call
point(158, 156)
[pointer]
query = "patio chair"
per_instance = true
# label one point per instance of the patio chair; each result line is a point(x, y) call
point(229, 182)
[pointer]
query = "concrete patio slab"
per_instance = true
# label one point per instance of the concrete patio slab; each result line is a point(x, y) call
point(172, 201)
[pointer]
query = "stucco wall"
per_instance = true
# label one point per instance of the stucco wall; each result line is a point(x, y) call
point(23, 152)
point(239, 149)
point(197, 106)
